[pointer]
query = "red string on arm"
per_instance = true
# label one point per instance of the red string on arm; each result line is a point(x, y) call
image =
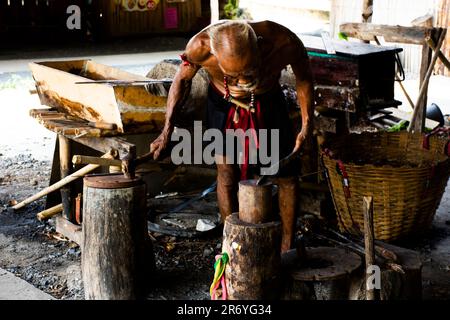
point(184, 59)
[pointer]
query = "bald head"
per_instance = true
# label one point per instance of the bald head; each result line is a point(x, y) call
point(232, 39)
point(234, 44)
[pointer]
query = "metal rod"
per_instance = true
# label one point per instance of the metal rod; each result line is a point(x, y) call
point(126, 82)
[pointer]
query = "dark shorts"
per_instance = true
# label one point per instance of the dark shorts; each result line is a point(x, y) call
point(275, 115)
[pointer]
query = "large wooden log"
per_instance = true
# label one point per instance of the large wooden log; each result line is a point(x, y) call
point(253, 270)
point(115, 255)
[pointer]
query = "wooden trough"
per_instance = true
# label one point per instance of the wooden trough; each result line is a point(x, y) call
point(129, 109)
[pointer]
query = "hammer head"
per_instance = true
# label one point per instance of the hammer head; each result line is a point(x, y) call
point(129, 163)
point(128, 167)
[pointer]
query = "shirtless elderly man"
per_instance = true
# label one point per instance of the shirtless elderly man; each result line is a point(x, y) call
point(244, 61)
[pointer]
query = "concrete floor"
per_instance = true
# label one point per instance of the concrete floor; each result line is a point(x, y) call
point(14, 288)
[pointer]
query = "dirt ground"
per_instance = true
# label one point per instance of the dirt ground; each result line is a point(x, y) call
point(33, 251)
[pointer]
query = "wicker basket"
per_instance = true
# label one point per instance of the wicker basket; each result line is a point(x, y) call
point(406, 174)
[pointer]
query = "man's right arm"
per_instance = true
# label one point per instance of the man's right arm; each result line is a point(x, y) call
point(179, 91)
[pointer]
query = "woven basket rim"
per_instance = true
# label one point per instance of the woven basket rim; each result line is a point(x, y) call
point(387, 166)
point(441, 158)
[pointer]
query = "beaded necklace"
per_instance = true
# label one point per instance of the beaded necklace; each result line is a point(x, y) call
point(228, 96)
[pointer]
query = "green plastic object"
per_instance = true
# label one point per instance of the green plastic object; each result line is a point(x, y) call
point(402, 125)
point(342, 36)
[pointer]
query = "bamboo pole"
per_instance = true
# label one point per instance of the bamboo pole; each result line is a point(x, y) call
point(424, 86)
point(441, 55)
point(50, 212)
point(61, 183)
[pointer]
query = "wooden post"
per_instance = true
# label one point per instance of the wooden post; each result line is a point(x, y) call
point(367, 11)
point(115, 257)
point(214, 10)
point(368, 242)
point(288, 203)
point(419, 124)
point(65, 158)
point(255, 202)
point(253, 270)
point(443, 59)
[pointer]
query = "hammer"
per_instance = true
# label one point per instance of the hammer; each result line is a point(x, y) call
point(128, 165)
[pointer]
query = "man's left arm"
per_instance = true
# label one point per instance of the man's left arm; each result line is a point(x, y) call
point(299, 62)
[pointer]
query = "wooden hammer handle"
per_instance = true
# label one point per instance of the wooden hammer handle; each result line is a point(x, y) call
point(80, 159)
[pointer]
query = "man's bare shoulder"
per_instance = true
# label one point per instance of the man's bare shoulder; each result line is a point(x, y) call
point(198, 49)
point(275, 31)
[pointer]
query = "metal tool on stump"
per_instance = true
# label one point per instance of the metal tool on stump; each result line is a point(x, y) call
point(277, 166)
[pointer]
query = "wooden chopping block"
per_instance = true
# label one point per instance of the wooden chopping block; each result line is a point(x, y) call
point(253, 269)
point(116, 251)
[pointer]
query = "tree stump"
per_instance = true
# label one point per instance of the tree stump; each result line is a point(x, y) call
point(253, 270)
point(255, 202)
point(325, 274)
point(394, 284)
point(115, 252)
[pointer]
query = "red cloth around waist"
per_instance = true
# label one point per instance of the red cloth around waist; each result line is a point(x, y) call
point(246, 121)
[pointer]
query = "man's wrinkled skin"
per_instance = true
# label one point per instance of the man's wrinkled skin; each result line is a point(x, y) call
point(249, 67)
